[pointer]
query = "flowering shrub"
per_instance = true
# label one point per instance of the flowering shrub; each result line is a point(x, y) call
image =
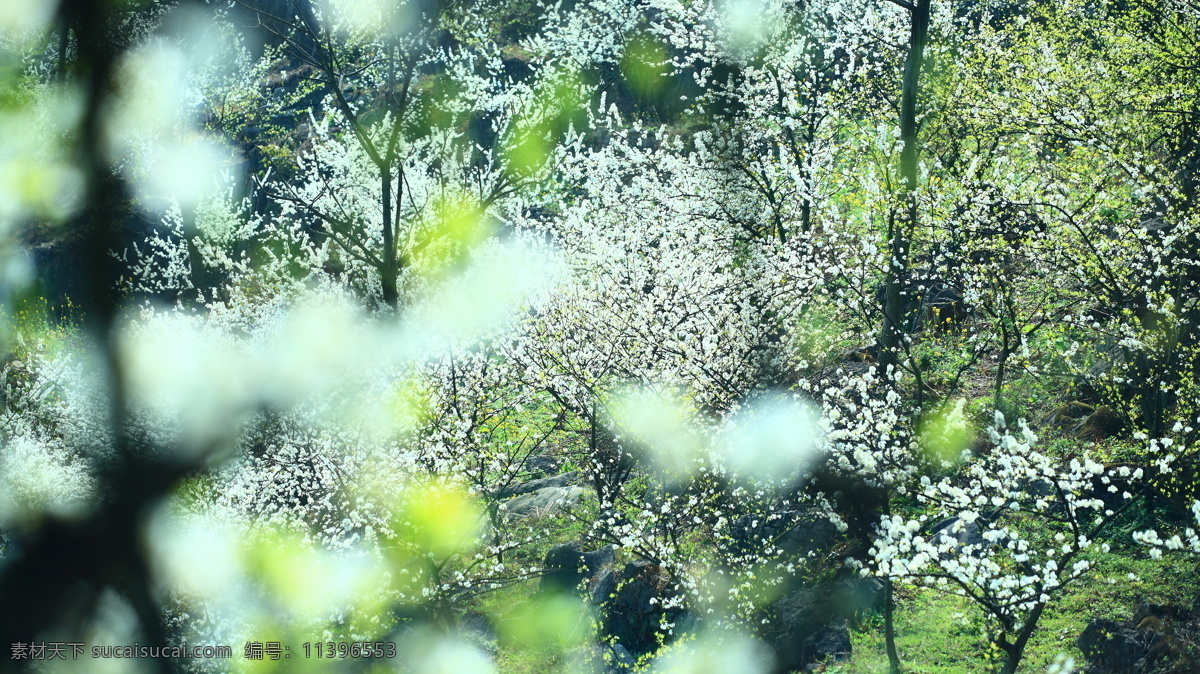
point(721, 288)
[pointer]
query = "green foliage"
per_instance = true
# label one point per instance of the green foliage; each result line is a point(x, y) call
point(944, 634)
point(644, 64)
point(1054, 140)
point(34, 328)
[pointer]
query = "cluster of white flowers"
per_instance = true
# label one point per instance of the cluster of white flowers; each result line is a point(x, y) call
point(1013, 530)
point(702, 339)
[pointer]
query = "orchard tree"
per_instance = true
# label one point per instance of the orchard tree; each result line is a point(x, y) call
point(1011, 534)
point(903, 220)
point(421, 133)
point(1105, 210)
point(221, 414)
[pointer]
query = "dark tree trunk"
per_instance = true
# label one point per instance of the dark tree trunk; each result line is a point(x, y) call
point(901, 229)
point(389, 272)
point(1014, 652)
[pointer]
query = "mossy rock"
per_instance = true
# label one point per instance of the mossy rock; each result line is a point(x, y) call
point(1100, 424)
point(1067, 415)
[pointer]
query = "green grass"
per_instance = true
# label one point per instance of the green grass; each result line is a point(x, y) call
point(543, 635)
point(937, 633)
point(32, 327)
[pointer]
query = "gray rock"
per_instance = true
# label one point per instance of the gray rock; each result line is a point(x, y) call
point(623, 660)
point(603, 586)
point(798, 612)
point(854, 596)
point(1155, 640)
point(635, 610)
point(1040, 487)
point(541, 464)
point(795, 533)
point(564, 480)
point(1111, 646)
point(808, 627)
point(1159, 612)
point(791, 620)
point(831, 643)
point(957, 531)
point(567, 565)
point(545, 501)
point(603, 659)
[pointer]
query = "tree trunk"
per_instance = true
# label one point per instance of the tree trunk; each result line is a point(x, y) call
point(390, 271)
point(1001, 367)
point(900, 230)
point(889, 628)
point(1013, 654)
point(889, 607)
